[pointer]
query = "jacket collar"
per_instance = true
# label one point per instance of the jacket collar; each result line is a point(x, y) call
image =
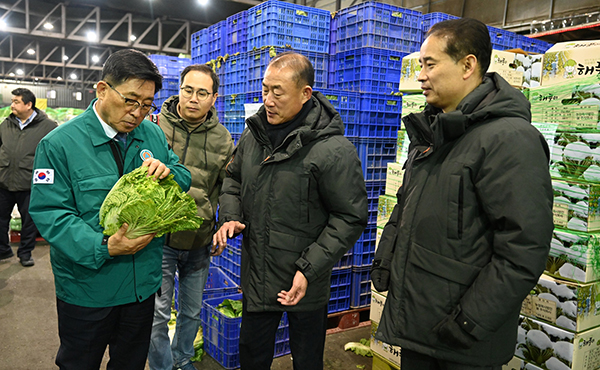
point(95, 130)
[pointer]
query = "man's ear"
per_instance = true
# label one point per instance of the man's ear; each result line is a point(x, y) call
point(470, 65)
point(101, 89)
point(306, 93)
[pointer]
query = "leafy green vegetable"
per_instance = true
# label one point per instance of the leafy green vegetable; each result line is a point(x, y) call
point(198, 347)
point(230, 308)
point(148, 206)
point(363, 348)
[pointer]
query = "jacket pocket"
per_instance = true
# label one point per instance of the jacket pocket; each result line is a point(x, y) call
point(444, 267)
point(92, 191)
point(26, 162)
point(455, 207)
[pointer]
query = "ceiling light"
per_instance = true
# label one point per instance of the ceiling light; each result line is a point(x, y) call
point(65, 57)
point(73, 76)
point(30, 51)
point(59, 78)
point(20, 72)
point(132, 37)
point(95, 58)
point(91, 36)
point(203, 2)
point(37, 79)
point(2, 24)
point(48, 26)
point(12, 74)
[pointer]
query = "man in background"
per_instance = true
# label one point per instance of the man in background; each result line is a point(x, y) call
point(105, 286)
point(20, 134)
point(190, 123)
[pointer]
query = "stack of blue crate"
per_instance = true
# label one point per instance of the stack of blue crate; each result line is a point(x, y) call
point(368, 43)
point(170, 68)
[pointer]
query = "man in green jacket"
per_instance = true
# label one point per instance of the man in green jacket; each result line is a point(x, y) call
point(190, 123)
point(105, 286)
point(295, 188)
point(20, 134)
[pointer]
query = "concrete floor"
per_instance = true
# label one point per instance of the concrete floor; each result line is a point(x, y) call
point(28, 325)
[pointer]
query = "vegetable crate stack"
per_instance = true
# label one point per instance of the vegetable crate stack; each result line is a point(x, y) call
point(560, 323)
point(221, 321)
point(170, 68)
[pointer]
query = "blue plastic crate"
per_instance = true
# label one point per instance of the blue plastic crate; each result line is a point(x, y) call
point(254, 98)
point(363, 250)
point(346, 103)
point(372, 24)
point(380, 115)
point(236, 138)
point(259, 59)
point(217, 39)
point(232, 261)
point(218, 284)
point(234, 74)
point(168, 66)
point(430, 19)
point(199, 46)
point(237, 32)
point(374, 155)
point(375, 189)
point(340, 290)
point(234, 114)
point(221, 333)
point(532, 45)
point(366, 70)
point(502, 39)
point(345, 261)
point(333, 35)
point(278, 23)
point(361, 287)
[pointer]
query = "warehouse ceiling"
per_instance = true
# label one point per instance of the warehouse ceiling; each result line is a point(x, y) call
point(66, 42)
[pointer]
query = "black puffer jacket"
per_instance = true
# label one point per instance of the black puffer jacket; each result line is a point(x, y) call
point(304, 205)
point(474, 233)
point(17, 150)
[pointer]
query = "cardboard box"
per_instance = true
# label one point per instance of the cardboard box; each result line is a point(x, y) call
point(518, 364)
point(576, 205)
point(403, 143)
point(570, 61)
point(385, 207)
point(550, 347)
point(380, 363)
point(393, 179)
point(572, 256)
point(573, 105)
point(410, 72)
point(387, 351)
point(413, 103)
point(574, 155)
point(567, 305)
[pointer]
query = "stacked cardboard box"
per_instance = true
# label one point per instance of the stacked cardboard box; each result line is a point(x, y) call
point(560, 323)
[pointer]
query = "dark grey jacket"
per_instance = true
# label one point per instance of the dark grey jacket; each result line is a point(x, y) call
point(304, 205)
point(17, 150)
point(204, 151)
point(474, 231)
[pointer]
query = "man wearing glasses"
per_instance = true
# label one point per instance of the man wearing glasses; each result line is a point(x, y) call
point(189, 121)
point(105, 286)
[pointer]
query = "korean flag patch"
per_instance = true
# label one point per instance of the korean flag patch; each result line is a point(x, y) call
point(43, 176)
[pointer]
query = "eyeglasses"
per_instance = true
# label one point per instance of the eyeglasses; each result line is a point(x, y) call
point(134, 104)
point(201, 94)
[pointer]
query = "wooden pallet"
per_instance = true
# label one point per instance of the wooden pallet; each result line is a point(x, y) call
point(344, 320)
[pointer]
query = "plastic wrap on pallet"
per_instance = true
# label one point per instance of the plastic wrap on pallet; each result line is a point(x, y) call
point(372, 24)
point(281, 24)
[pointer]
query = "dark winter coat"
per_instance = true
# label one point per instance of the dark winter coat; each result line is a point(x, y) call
point(17, 149)
point(304, 205)
point(474, 231)
point(204, 151)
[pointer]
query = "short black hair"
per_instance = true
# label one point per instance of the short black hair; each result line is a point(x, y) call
point(204, 69)
point(129, 63)
point(465, 36)
point(303, 68)
point(26, 95)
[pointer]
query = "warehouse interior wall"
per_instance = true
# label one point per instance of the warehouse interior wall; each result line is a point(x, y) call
point(58, 96)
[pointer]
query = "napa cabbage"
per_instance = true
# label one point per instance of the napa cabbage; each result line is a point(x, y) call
point(148, 206)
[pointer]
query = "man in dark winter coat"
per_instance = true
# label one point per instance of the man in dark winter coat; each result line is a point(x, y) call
point(471, 232)
point(295, 188)
point(20, 134)
point(189, 121)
